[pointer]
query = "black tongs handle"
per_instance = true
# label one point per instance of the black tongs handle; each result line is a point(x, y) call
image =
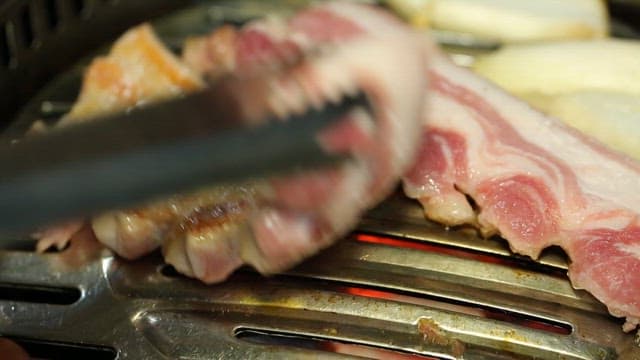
point(126, 159)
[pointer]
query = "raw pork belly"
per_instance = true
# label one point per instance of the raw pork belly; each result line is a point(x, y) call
point(532, 180)
point(330, 50)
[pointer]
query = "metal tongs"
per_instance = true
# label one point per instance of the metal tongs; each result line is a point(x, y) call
point(157, 150)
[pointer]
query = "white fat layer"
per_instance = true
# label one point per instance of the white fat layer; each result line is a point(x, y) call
point(202, 246)
point(498, 161)
point(451, 209)
point(344, 67)
point(274, 25)
point(397, 91)
point(286, 97)
point(105, 227)
point(128, 235)
point(600, 173)
point(359, 64)
point(363, 120)
point(631, 324)
point(447, 114)
point(292, 235)
point(618, 220)
point(305, 88)
point(350, 198)
point(632, 249)
point(583, 280)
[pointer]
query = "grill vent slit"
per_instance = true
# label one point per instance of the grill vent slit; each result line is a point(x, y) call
point(39, 294)
point(78, 6)
point(5, 55)
point(48, 350)
point(51, 13)
point(27, 27)
point(267, 337)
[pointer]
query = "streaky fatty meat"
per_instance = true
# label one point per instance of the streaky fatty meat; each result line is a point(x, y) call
point(325, 52)
point(533, 180)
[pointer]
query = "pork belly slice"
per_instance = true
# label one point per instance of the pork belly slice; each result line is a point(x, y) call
point(533, 180)
point(327, 52)
point(336, 48)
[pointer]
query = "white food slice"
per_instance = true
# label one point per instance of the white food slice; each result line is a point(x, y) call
point(593, 86)
point(564, 67)
point(511, 21)
point(508, 20)
point(611, 117)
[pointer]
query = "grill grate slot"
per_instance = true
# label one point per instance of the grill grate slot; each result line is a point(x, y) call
point(78, 6)
point(48, 350)
point(50, 10)
point(26, 27)
point(5, 55)
point(267, 337)
point(39, 294)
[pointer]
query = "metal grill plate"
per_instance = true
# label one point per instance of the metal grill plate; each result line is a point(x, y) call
point(383, 293)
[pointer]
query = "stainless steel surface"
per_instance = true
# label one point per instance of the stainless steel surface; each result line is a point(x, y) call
point(389, 293)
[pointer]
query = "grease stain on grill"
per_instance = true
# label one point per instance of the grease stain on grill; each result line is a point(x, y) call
point(39, 294)
point(436, 335)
